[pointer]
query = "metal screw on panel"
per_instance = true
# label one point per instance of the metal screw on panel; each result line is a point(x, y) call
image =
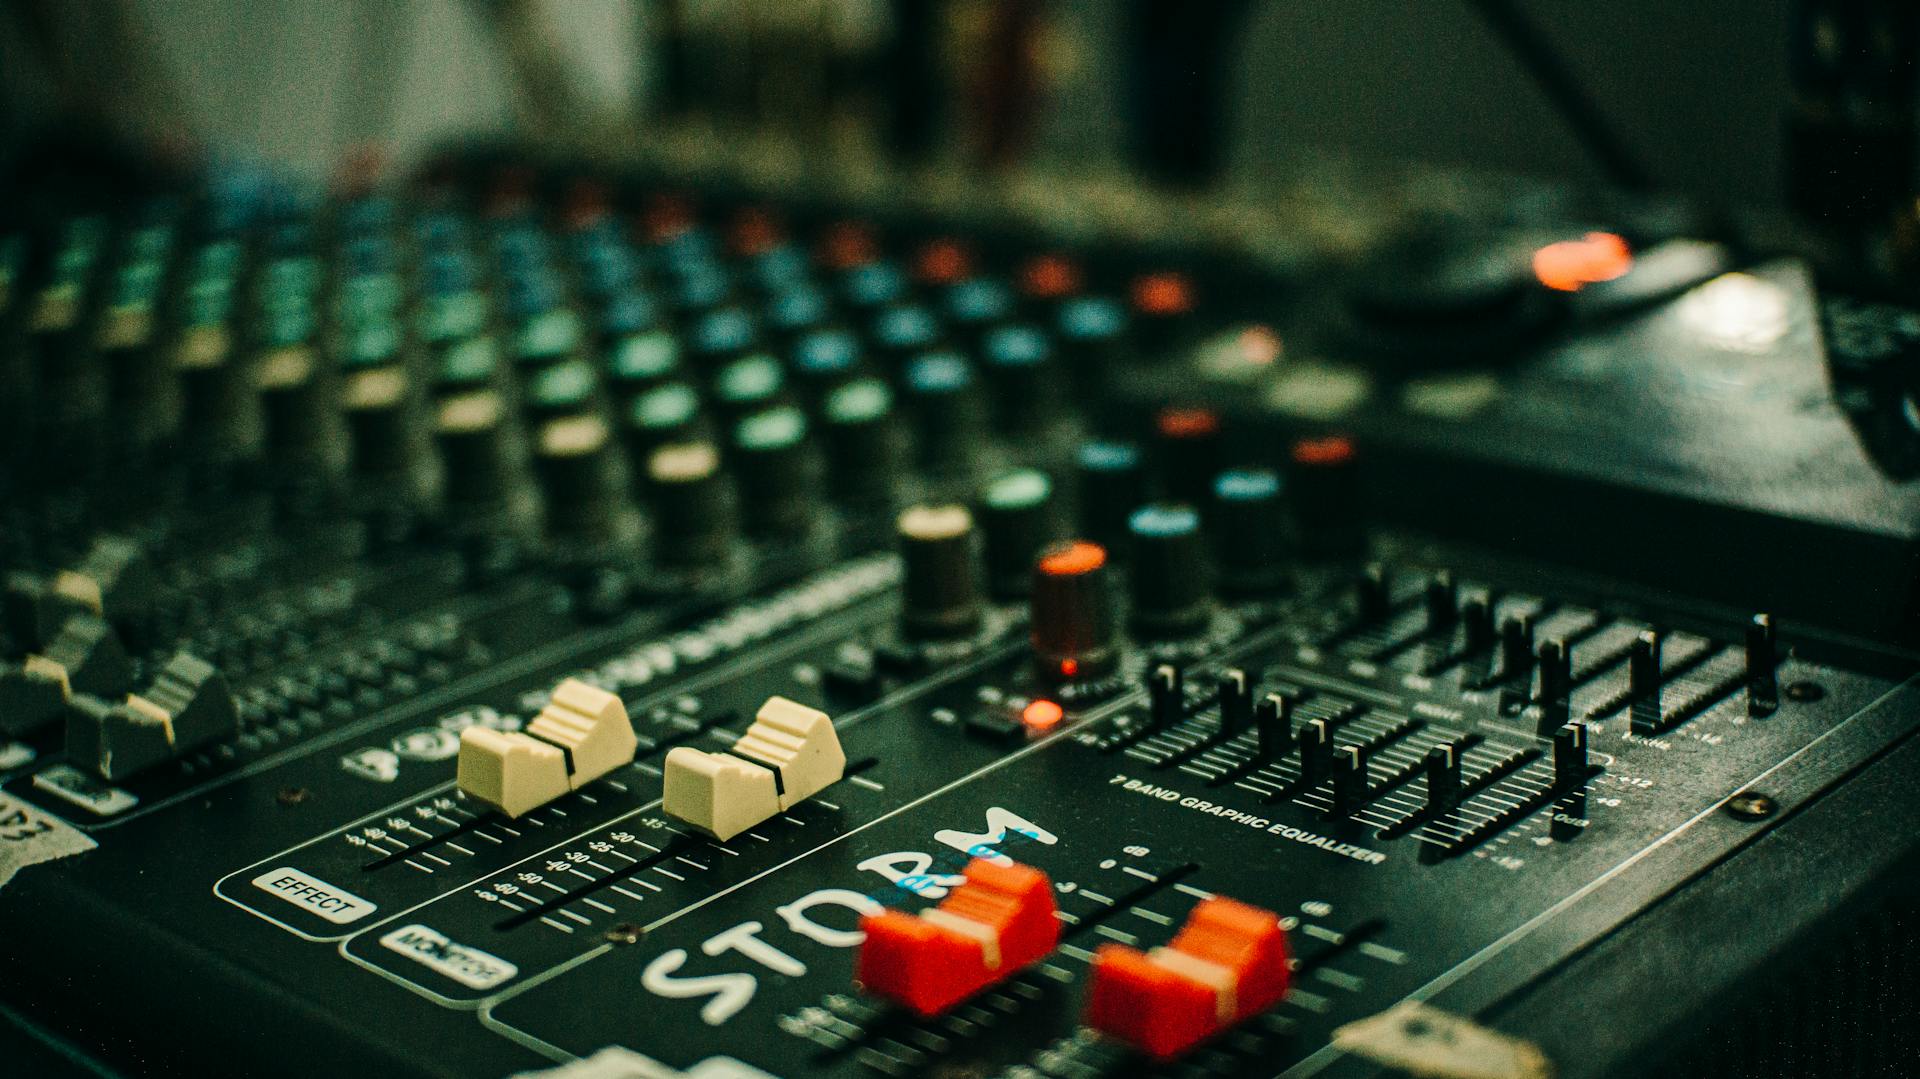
point(1752, 805)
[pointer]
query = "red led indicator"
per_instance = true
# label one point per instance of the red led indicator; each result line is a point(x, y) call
point(943, 262)
point(666, 216)
point(586, 202)
point(1073, 559)
point(1331, 450)
point(755, 232)
point(846, 244)
point(1049, 277)
point(1571, 265)
point(1042, 715)
point(1188, 422)
point(1163, 294)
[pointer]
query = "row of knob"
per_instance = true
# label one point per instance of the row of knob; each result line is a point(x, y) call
point(274, 314)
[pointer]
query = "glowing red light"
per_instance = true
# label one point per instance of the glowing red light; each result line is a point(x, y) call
point(1331, 450)
point(755, 232)
point(1571, 265)
point(1049, 277)
point(665, 217)
point(1073, 559)
point(585, 203)
point(1041, 715)
point(846, 244)
point(1163, 294)
point(943, 262)
point(1069, 668)
point(1188, 422)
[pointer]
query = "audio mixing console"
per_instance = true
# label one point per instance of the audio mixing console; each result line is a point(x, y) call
point(552, 623)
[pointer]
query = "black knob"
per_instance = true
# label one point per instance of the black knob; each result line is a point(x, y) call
point(211, 393)
point(1017, 518)
point(872, 285)
point(475, 453)
point(777, 472)
point(975, 307)
point(1326, 496)
point(1570, 756)
point(1235, 698)
point(940, 591)
point(1166, 696)
point(1019, 366)
point(723, 334)
point(749, 384)
point(1516, 646)
point(574, 459)
point(796, 311)
point(1046, 283)
point(692, 504)
point(1163, 305)
point(1643, 666)
point(1273, 725)
point(1249, 531)
point(949, 416)
point(1372, 594)
point(380, 430)
point(862, 441)
point(467, 365)
point(1476, 623)
point(1111, 486)
point(1644, 679)
point(1555, 664)
point(1093, 334)
point(642, 361)
point(1442, 599)
point(902, 332)
point(1072, 625)
point(825, 359)
point(1316, 753)
point(1352, 786)
point(296, 431)
point(667, 413)
point(567, 388)
point(1763, 662)
point(1442, 770)
point(1187, 445)
point(1171, 590)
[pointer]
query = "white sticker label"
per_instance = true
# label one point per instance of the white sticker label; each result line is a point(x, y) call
point(313, 895)
point(468, 966)
point(29, 836)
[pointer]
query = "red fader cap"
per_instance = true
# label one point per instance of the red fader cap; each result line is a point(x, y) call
point(987, 929)
point(1229, 962)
